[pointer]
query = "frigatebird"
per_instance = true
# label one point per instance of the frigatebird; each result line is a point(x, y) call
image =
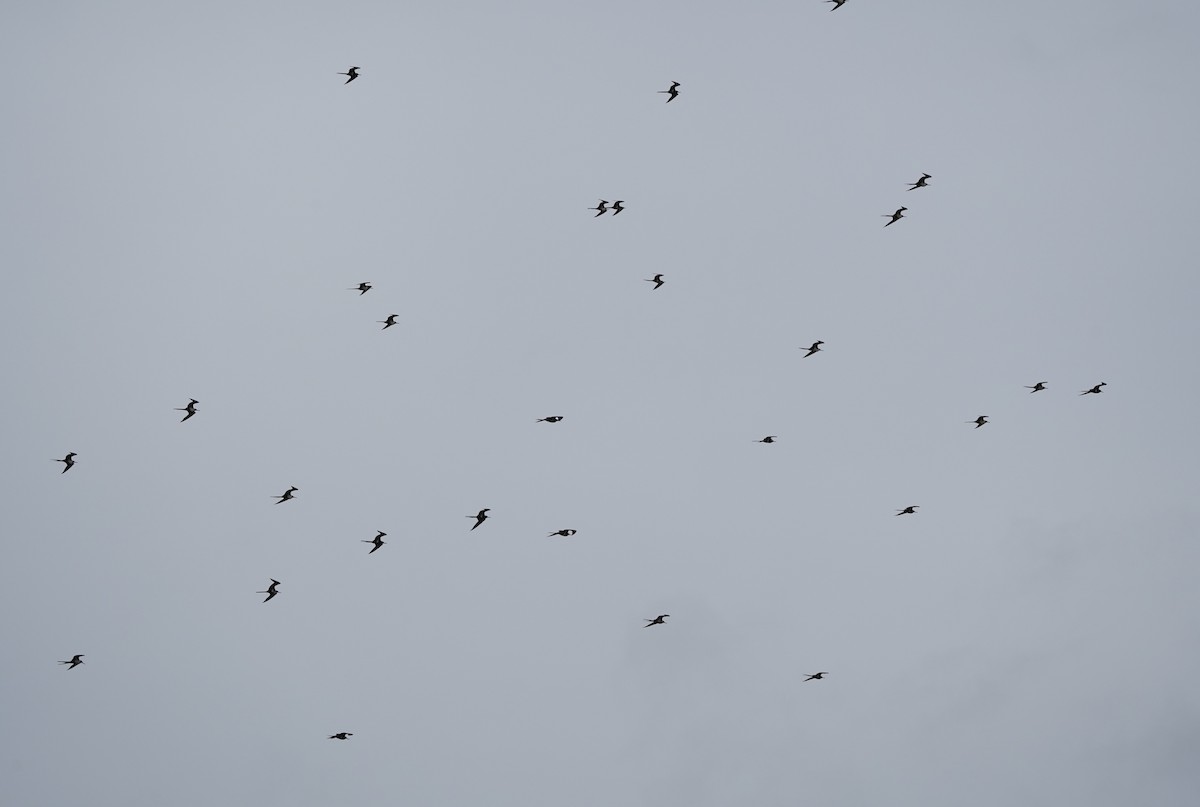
point(287, 496)
point(657, 280)
point(75, 661)
point(815, 347)
point(895, 217)
point(352, 73)
point(661, 619)
point(272, 589)
point(479, 517)
point(923, 182)
point(190, 409)
point(377, 540)
point(673, 91)
point(69, 460)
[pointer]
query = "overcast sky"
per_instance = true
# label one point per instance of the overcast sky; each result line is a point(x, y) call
point(189, 193)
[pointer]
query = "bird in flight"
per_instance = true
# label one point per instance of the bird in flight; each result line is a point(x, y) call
point(377, 540)
point(895, 217)
point(190, 409)
point(389, 322)
point(564, 533)
point(815, 347)
point(69, 460)
point(770, 438)
point(341, 735)
point(75, 661)
point(1038, 387)
point(979, 421)
point(673, 91)
point(908, 511)
point(352, 73)
point(657, 280)
point(618, 207)
point(602, 207)
point(1093, 391)
point(479, 517)
point(551, 419)
point(361, 288)
point(837, 4)
point(287, 496)
point(816, 676)
point(923, 182)
point(661, 619)
point(272, 589)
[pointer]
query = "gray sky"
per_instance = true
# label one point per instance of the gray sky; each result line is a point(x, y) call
point(190, 191)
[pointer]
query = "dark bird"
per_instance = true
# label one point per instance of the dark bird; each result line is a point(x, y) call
point(75, 661)
point(377, 540)
point(1093, 391)
point(657, 280)
point(837, 4)
point(816, 676)
point(1038, 387)
point(895, 217)
point(361, 288)
point(770, 438)
point(190, 409)
point(389, 322)
point(673, 91)
point(272, 589)
point(908, 511)
point(341, 735)
point(618, 207)
point(479, 517)
point(352, 73)
point(288, 495)
point(564, 533)
point(661, 619)
point(69, 460)
point(923, 182)
point(551, 419)
point(602, 207)
point(979, 421)
point(815, 347)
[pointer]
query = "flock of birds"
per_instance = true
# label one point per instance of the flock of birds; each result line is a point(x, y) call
point(602, 208)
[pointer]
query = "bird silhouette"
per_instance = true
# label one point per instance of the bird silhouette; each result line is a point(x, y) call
point(979, 421)
point(479, 517)
point(287, 496)
point(352, 73)
point(908, 511)
point(564, 533)
point(389, 322)
point(837, 4)
point(1093, 391)
point(69, 460)
point(341, 735)
point(190, 409)
point(1038, 387)
point(815, 347)
point(816, 676)
point(770, 438)
point(361, 288)
point(657, 280)
point(602, 207)
point(895, 217)
point(377, 540)
point(551, 419)
point(661, 619)
point(923, 182)
point(618, 207)
point(672, 91)
point(75, 661)
point(272, 589)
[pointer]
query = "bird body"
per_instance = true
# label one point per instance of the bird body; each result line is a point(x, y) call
point(479, 517)
point(1038, 387)
point(389, 322)
point(617, 207)
point(1093, 391)
point(815, 347)
point(564, 533)
point(816, 676)
point(923, 182)
point(836, 4)
point(661, 619)
point(895, 217)
point(672, 91)
point(190, 409)
point(361, 288)
point(287, 496)
point(602, 207)
point(272, 589)
point(550, 419)
point(657, 280)
point(979, 421)
point(341, 735)
point(908, 511)
point(352, 73)
point(377, 540)
point(770, 438)
point(69, 460)
point(75, 661)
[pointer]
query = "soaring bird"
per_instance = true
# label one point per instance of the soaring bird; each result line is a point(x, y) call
point(69, 460)
point(661, 619)
point(479, 517)
point(272, 589)
point(895, 217)
point(923, 182)
point(377, 540)
point(1093, 391)
point(602, 207)
point(75, 661)
point(815, 347)
point(190, 409)
point(361, 288)
point(352, 73)
point(979, 421)
point(551, 419)
point(1038, 387)
point(770, 438)
point(389, 322)
point(837, 4)
point(564, 533)
point(673, 91)
point(908, 511)
point(816, 676)
point(341, 735)
point(657, 280)
point(287, 496)
point(618, 207)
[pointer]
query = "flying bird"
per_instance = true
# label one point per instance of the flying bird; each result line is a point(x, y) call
point(617, 207)
point(837, 4)
point(190, 409)
point(377, 540)
point(564, 533)
point(272, 589)
point(69, 460)
point(895, 217)
point(389, 322)
point(770, 438)
point(979, 421)
point(815, 347)
point(341, 735)
point(287, 496)
point(923, 182)
point(352, 73)
point(908, 511)
point(1093, 391)
point(75, 661)
point(602, 207)
point(661, 619)
point(479, 517)
point(551, 419)
point(361, 288)
point(657, 280)
point(1038, 387)
point(816, 676)
point(673, 91)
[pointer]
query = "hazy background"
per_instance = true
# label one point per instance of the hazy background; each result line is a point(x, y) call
point(188, 193)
